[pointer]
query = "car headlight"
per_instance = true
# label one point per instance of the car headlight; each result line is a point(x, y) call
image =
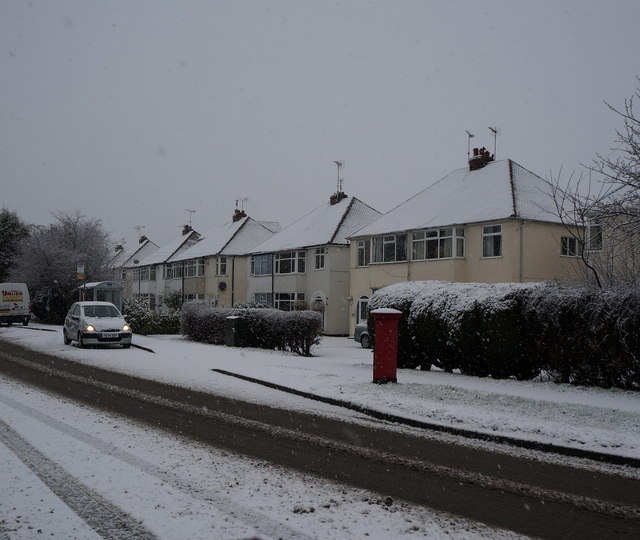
point(89, 328)
point(126, 328)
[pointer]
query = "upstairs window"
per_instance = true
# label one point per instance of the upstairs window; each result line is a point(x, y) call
point(290, 262)
point(492, 241)
point(438, 244)
point(364, 252)
point(390, 248)
point(190, 268)
point(320, 254)
point(594, 237)
point(261, 265)
point(221, 266)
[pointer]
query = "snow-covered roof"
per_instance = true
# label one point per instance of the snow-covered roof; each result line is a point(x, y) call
point(234, 238)
point(500, 190)
point(124, 256)
point(327, 224)
point(165, 252)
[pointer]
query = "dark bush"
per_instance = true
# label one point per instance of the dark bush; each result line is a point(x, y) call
point(295, 331)
point(575, 334)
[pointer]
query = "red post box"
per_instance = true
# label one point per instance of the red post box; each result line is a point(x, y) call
point(385, 349)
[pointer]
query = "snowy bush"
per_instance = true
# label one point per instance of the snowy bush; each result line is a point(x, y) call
point(295, 331)
point(200, 322)
point(146, 322)
point(578, 335)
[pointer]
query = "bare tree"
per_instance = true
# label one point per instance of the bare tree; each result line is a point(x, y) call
point(600, 208)
point(49, 261)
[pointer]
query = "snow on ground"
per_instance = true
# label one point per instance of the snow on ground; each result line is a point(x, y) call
point(587, 418)
point(177, 488)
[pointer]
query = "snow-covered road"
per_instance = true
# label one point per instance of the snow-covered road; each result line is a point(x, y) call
point(69, 471)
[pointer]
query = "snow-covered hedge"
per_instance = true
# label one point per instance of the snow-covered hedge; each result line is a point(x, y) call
point(145, 322)
point(577, 335)
point(295, 331)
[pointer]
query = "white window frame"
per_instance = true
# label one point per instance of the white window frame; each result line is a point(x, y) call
point(177, 270)
point(594, 238)
point(297, 260)
point(389, 248)
point(286, 301)
point(265, 298)
point(190, 268)
point(436, 242)
point(364, 253)
point(262, 265)
point(566, 249)
point(320, 257)
point(490, 233)
point(221, 266)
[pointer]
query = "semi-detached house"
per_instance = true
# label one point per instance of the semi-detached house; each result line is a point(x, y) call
point(214, 268)
point(306, 265)
point(493, 221)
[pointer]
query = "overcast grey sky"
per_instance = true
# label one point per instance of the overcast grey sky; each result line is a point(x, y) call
point(135, 111)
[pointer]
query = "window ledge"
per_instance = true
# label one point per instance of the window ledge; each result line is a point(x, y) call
point(491, 258)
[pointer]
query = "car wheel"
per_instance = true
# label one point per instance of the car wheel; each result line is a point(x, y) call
point(81, 344)
point(25, 322)
point(365, 341)
point(65, 337)
point(9, 323)
point(126, 345)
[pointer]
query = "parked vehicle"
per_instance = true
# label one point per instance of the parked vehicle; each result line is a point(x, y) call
point(96, 323)
point(361, 335)
point(15, 304)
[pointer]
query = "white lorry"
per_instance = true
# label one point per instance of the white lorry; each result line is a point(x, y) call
point(14, 304)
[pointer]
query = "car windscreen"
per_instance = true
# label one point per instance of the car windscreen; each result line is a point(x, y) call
point(101, 311)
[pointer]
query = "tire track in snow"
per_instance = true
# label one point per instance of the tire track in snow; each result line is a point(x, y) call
point(261, 523)
point(591, 504)
point(105, 518)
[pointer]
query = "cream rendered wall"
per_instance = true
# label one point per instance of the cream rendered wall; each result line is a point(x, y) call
point(335, 280)
point(530, 252)
point(236, 281)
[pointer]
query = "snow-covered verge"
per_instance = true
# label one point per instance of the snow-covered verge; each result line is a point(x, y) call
point(588, 418)
point(174, 487)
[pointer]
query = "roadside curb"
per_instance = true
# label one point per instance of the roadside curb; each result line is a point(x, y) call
point(470, 434)
point(143, 348)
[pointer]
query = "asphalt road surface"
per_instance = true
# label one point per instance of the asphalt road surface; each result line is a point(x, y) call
point(528, 496)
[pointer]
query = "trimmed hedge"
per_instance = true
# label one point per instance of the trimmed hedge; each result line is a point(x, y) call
point(295, 331)
point(573, 334)
point(145, 322)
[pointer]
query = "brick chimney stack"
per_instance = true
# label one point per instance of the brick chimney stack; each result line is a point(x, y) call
point(238, 215)
point(480, 158)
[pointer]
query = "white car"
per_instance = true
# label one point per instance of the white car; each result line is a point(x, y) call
point(96, 323)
